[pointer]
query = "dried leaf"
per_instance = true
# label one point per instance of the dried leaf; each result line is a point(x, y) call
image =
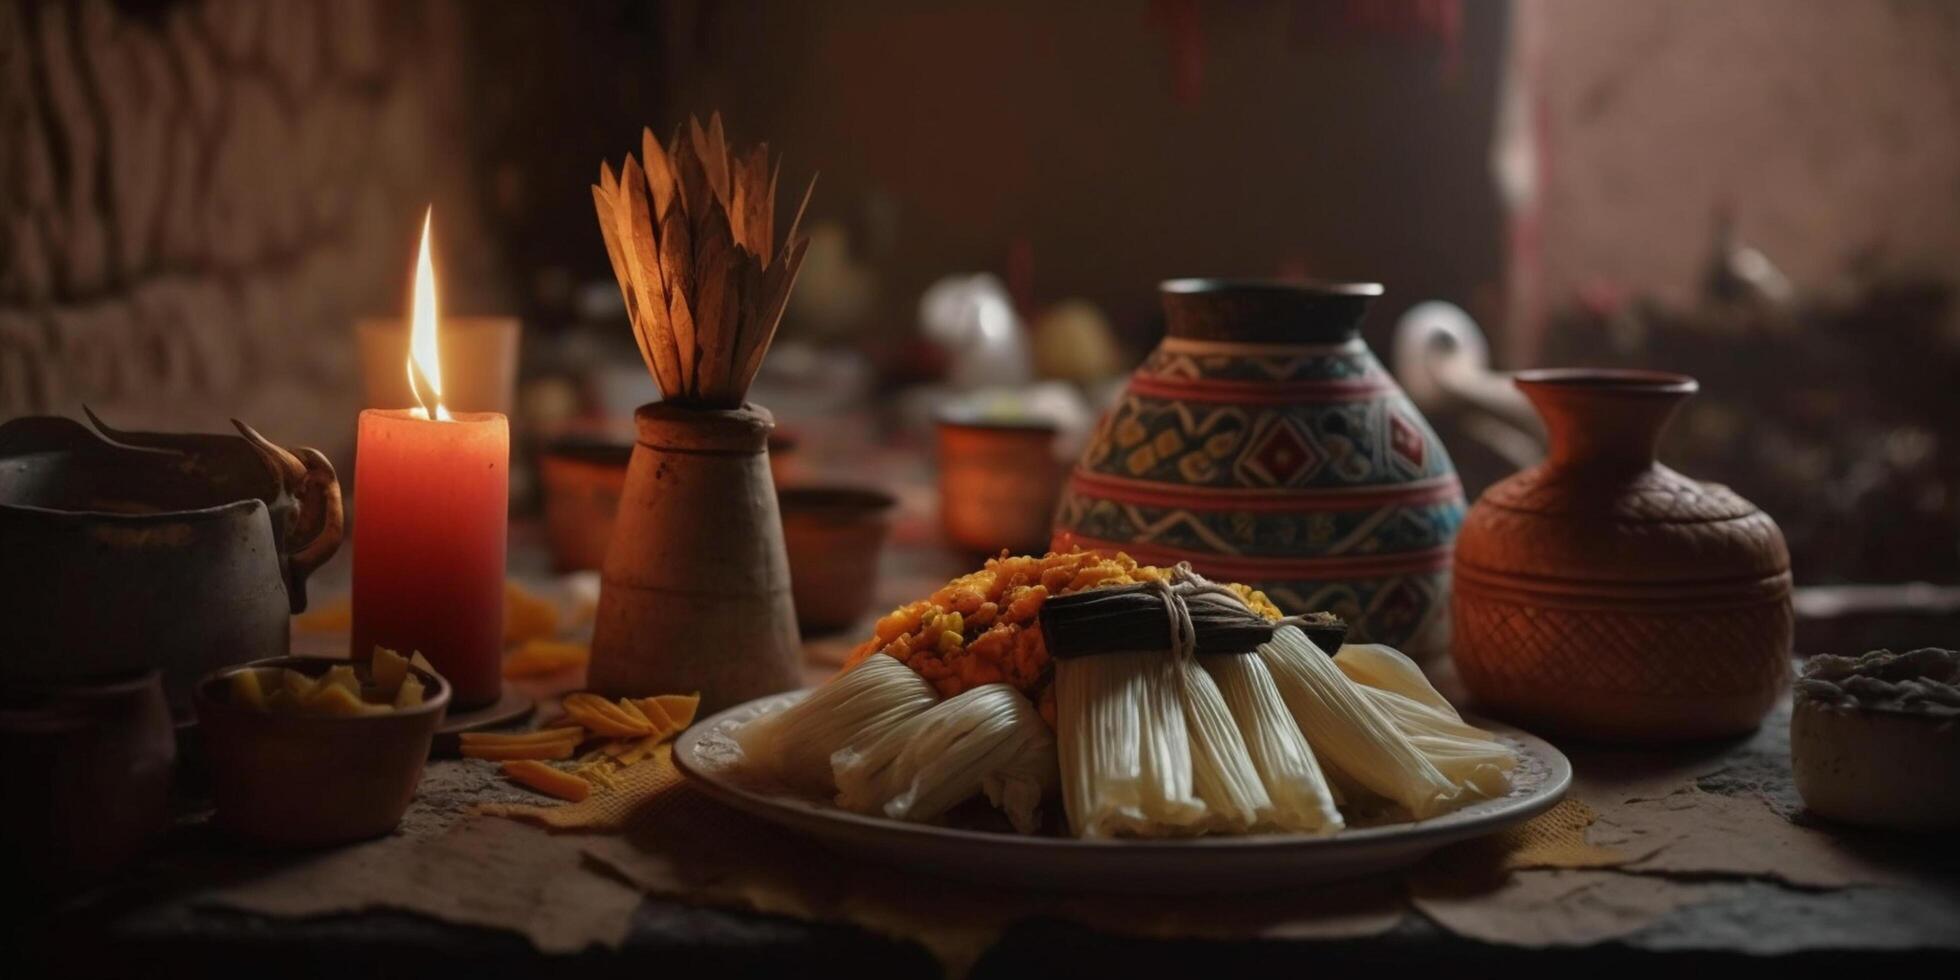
point(775, 298)
point(752, 200)
point(797, 222)
point(750, 327)
point(717, 160)
point(643, 252)
point(602, 202)
point(660, 174)
point(714, 255)
point(769, 217)
point(677, 262)
point(697, 188)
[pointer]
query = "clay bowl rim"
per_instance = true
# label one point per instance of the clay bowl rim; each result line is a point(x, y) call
point(204, 694)
point(845, 500)
point(1203, 285)
point(1635, 382)
point(978, 420)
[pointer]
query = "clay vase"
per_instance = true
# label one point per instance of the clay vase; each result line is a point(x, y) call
point(695, 591)
point(1264, 443)
point(1603, 595)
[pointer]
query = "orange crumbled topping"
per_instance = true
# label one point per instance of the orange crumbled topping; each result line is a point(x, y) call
point(983, 627)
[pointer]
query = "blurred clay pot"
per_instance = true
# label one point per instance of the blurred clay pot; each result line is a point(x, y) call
point(583, 477)
point(293, 780)
point(1604, 595)
point(835, 535)
point(998, 483)
point(88, 778)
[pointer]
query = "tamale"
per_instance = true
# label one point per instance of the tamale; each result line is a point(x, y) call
point(926, 765)
point(1388, 669)
point(1301, 798)
point(1348, 730)
point(795, 744)
point(1124, 748)
point(1222, 771)
point(1468, 756)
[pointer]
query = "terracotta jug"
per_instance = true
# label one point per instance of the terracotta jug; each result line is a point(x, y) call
point(1604, 595)
point(695, 594)
point(1264, 443)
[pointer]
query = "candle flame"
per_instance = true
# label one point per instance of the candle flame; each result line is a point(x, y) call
point(424, 363)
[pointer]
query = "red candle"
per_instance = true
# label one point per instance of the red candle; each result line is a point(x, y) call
point(431, 505)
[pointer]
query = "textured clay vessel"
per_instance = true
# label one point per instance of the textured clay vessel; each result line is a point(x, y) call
point(1604, 595)
point(1264, 443)
point(695, 593)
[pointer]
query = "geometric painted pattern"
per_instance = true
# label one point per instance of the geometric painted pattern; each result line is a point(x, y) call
point(1268, 456)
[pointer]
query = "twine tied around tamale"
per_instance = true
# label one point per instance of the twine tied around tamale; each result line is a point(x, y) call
point(1204, 618)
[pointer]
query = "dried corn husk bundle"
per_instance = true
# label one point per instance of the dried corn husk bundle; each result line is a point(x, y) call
point(1388, 669)
point(1465, 754)
point(1124, 746)
point(989, 739)
point(1302, 800)
point(1349, 732)
point(691, 232)
point(862, 703)
point(1222, 771)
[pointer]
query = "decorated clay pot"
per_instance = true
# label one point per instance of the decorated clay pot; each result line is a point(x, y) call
point(1264, 443)
point(1602, 594)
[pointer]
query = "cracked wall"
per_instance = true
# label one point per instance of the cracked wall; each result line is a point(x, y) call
point(197, 200)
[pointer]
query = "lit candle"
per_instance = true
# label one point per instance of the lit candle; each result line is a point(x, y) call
point(431, 498)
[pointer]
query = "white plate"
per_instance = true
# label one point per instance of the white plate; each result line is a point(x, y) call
point(708, 755)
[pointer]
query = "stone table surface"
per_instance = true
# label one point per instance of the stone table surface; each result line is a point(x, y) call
point(1720, 895)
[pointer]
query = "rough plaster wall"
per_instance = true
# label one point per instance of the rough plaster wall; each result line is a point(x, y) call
point(198, 198)
point(1833, 126)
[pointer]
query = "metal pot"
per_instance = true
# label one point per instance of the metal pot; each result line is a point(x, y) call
point(129, 550)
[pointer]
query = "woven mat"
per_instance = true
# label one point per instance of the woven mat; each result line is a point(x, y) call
point(662, 835)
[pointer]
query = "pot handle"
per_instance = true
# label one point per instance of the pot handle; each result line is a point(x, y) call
point(1443, 362)
point(319, 521)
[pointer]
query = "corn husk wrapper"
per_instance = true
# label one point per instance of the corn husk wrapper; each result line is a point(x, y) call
point(925, 766)
point(1222, 771)
point(864, 702)
point(1467, 755)
point(1018, 786)
point(1349, 731)
point(1302, 799)
point(690, 230)
point(1124, 747)
point(1388, 669)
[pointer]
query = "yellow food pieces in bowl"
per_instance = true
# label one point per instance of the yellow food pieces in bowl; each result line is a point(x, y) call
point(341, 692)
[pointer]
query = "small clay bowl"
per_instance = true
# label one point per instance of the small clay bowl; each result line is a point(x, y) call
point(834, 535)
point(583, 477)
point(998, 482)
point(308, 781)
